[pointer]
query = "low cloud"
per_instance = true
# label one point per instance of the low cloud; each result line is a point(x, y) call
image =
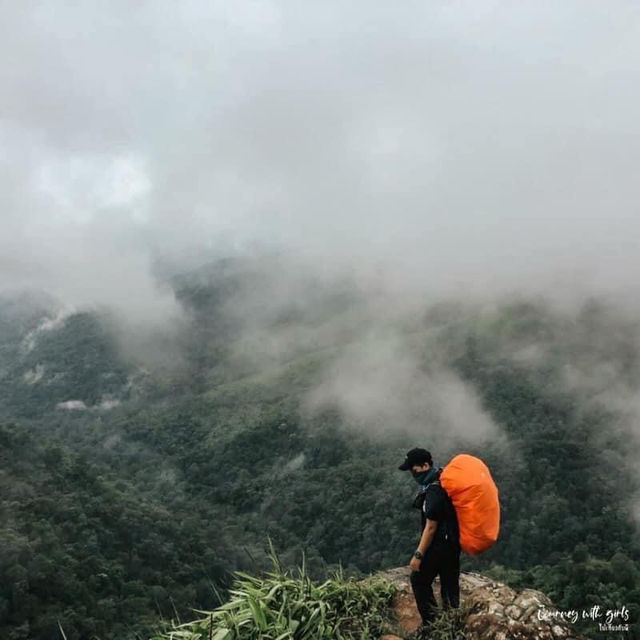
point(34, 375)
point(380, 386)
point(425, 151)
point(453, 148)
point(55, 321)
point(72, 405)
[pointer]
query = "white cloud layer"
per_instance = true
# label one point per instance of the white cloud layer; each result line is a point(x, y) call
point(457, 146)
point(381, 387)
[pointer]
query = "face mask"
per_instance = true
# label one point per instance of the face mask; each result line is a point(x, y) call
point(420, 476)
point(425, 477)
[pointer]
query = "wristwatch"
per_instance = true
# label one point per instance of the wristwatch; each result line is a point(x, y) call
point(417, 554)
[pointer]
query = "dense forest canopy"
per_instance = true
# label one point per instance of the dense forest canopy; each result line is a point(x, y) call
point(133, 486)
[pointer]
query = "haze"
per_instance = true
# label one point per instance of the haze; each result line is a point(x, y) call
point(402, 152)
point(457, 147)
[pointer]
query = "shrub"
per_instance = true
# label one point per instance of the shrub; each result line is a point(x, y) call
point(284, 606)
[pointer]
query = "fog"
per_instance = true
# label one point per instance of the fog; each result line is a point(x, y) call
point(381, 387)
point(465, 148)
point(466, 151)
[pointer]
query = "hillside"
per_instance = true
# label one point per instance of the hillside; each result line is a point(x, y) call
point(131, 491)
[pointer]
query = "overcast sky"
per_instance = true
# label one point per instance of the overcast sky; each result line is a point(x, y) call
point(477, 145)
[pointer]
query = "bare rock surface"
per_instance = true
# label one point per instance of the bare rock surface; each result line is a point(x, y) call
point(495, 611)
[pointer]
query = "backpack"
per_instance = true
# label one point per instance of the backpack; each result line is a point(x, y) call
point(474, 494)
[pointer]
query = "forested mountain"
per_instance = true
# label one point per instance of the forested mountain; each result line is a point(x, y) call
point(129, 491)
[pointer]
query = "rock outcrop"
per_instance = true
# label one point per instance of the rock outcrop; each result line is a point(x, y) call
point(492, 610)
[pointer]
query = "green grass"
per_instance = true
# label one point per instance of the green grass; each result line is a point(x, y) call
point(283, 605)
point(450, 624)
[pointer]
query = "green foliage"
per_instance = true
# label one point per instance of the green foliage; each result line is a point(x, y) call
point(75, 361)
point(284, 606)
point(81, 546)
point(113, 519)
point(580, 584)
point(450, 624)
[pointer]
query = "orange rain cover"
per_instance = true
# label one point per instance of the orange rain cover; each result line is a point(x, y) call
point(475, 496)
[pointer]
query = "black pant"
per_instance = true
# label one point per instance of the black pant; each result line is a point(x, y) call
point(443, 561)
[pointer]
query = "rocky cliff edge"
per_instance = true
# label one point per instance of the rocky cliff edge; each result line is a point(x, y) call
point(490, 610)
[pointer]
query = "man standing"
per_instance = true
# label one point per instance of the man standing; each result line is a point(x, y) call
point(439, 550)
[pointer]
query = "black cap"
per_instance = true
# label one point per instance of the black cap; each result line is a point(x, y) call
point(416, 457)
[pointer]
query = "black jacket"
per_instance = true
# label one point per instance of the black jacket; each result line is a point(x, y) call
point(437, 505)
